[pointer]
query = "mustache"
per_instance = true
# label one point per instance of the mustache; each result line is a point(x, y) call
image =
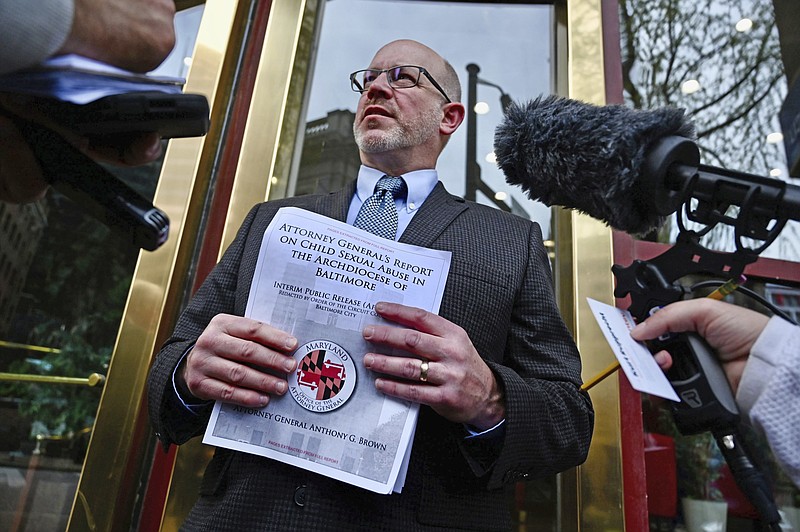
point(382, 102)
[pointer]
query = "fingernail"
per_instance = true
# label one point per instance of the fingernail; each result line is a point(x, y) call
point(288, 365)
point(369, 331)
point(380, 307)
point(280, 387)
point(263, 400)
point(368, 360)
point(379, 384)
point(290, 342)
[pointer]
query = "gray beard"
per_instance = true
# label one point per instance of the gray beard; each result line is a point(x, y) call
point(400, 135)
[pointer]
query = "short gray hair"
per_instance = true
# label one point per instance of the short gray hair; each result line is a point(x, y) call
point(450, 82)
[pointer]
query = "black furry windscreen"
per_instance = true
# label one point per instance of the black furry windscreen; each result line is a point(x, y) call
point(586, 157)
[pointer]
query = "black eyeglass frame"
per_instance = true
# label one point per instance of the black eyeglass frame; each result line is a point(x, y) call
point(356, 86)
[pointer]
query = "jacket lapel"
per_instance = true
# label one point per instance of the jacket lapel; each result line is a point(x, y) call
point(336, 204)
point(436, 214)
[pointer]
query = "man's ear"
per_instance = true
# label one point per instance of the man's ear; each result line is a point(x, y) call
point(453, 116)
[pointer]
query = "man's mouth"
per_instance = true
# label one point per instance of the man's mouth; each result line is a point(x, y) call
point(375, 110)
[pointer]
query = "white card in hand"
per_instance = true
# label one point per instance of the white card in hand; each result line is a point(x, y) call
point(634, 358)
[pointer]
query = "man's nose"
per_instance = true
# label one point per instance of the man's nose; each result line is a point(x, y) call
point(380, 86)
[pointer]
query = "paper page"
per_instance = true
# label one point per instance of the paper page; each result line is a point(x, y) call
point(79, 63)
point(319, 280)
point(78, 80)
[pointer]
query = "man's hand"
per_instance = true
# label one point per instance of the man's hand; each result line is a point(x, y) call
point(222, 365)
point(729, 329)
point(459, 386)
point(21, 179)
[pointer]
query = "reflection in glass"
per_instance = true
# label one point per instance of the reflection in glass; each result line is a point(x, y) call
point(65, 298)
point(719, 60)
point(726, 73)
point(64, 281)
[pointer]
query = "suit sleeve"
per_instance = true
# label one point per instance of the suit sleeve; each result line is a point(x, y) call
point(172, 421)
point(32, 35)
point(549, 420)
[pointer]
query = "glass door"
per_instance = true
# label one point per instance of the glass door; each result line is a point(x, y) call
point(725, 68)
point(501, 52)
point(64, 283)
point(298, 140)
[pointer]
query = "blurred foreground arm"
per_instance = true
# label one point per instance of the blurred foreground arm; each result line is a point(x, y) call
point(135, 35)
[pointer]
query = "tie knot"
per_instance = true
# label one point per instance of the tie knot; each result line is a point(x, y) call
point(394, 185)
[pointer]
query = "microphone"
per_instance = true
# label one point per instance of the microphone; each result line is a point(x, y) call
point(630, 168)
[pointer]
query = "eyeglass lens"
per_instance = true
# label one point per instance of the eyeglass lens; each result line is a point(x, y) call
point(400, 76)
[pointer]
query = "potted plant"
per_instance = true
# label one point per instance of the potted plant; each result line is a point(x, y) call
point(699, 466)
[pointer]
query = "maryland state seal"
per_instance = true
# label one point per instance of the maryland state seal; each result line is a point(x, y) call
point(325, 377)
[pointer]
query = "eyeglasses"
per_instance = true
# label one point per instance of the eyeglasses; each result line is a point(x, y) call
point(399, 77)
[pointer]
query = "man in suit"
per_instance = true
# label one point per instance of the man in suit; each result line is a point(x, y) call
point(500, 380)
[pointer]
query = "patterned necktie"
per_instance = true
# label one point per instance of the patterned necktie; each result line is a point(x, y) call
point(378, 214)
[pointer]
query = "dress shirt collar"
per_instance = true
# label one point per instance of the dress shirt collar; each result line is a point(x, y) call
point(420, 183)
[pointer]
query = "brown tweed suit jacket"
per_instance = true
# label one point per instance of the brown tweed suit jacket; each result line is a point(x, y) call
point(500, 291)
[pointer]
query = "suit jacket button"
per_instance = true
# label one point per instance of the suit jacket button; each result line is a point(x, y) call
point(300, 496)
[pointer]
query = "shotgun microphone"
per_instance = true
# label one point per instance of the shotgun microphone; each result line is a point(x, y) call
point(629, 168)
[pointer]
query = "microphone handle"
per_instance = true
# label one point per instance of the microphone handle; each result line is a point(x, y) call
point(707, 404)
point(748, 477)
point(97, 191)
point(707, 401)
